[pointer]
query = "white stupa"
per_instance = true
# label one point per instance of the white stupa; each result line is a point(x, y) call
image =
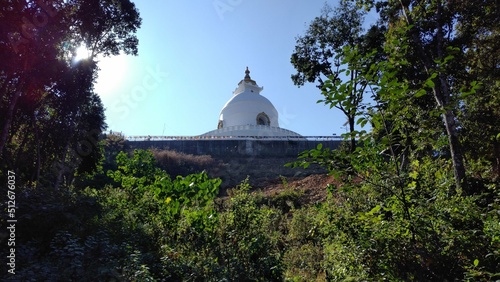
point(249, 114)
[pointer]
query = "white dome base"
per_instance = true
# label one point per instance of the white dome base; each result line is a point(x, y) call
point(254, 131)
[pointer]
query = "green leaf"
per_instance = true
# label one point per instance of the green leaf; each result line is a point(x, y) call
point(413, 174)
point(376, 209)
point(476, 262)
point(420, 93)
point(429, 83)
point(448, 58)
point(363, 123)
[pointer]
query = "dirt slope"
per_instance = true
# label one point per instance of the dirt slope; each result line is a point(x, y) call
point(312, 186)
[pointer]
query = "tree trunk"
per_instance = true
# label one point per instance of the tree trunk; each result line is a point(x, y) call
point(62, 168)
point(38, 157)
point(4, 135)
point(441, 92)
point(351, 130)
point(20, 152)
point(457, 156)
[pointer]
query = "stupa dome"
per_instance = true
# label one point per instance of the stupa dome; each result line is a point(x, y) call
point(248, 107)
point(249, 114)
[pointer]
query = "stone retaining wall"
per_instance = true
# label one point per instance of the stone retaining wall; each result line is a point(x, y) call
point(236, 148)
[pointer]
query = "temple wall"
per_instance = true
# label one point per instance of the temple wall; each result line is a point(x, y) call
point(236, 159)
point(236, 148)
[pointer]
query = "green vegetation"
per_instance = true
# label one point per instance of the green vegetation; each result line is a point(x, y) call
point(418, 193)
point(417, 202)
point(149, 227)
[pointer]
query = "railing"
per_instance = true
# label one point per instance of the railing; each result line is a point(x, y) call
point(177, 138)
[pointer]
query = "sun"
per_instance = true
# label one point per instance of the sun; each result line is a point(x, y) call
point(82, 53)
point(111, 69)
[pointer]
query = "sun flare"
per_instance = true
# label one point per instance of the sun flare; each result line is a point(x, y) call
point(82, 53)
point(112, 73)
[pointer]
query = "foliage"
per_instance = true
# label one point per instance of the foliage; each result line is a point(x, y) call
point(51, 117)
point(436, 45)
point(377, 225)
point(399, 194)
point(140, 177)
point(408, 209)
point(109, 145)
point(249, 238)
point(179, 216)
point(397, 214)
point(318, 53)
point(320, 56)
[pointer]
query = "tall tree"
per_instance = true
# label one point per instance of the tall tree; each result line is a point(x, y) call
point(478, 34)
point(431, 61)
point(439, 34)
point(28, 55)
point(319, 55)
point(44, 91)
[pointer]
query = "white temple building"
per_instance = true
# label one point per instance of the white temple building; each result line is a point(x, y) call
point(249, 114)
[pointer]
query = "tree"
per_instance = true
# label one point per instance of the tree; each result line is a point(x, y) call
point(439, 34)
point(393, 217)
point(48, 98)
point(80, 118)
point(26, 53)
point(441, 89)
point(106, 27)
point(479, 115)
point(319, 55)
point(405, 208)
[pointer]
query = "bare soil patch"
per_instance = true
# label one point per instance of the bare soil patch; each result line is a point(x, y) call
point(313, 187)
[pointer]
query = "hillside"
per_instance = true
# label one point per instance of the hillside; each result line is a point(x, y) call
point(261, 171)
point(311, 188)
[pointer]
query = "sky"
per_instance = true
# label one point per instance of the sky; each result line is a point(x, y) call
point(192, 54)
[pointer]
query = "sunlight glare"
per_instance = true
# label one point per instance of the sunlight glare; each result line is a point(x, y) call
point(82, 53)
point(112, 73)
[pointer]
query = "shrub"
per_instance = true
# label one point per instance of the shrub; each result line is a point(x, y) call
point(249, 237)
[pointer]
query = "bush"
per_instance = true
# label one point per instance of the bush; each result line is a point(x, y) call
point(249, 238)
point(149, 227)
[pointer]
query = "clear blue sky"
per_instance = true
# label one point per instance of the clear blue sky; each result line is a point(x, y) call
point(193, 53)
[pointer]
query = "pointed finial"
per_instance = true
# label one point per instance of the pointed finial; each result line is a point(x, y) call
point(247, 78)
point(247, 75)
